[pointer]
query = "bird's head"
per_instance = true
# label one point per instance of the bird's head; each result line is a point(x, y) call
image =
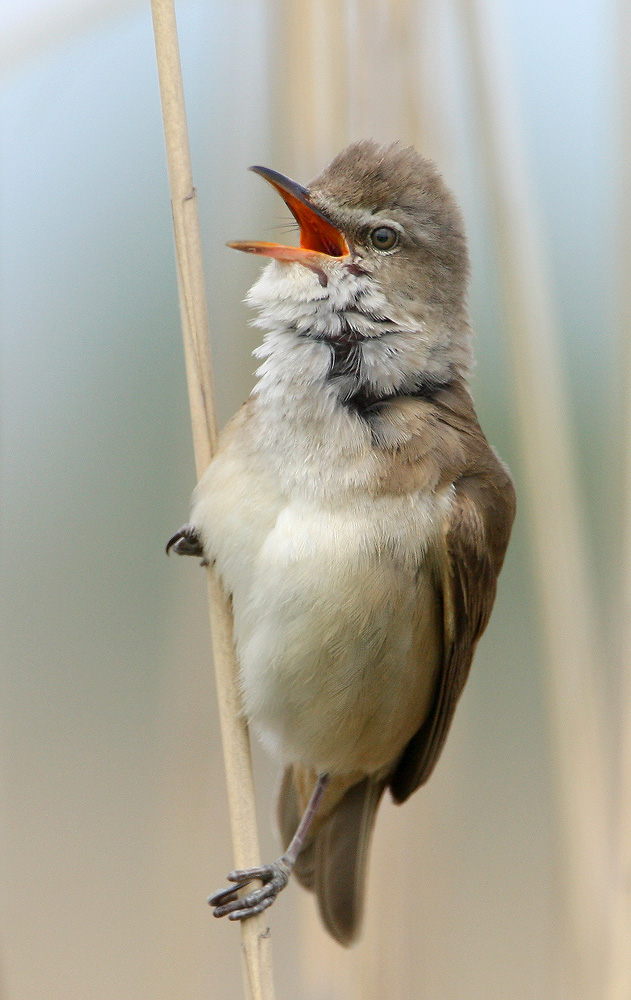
point(383, 212)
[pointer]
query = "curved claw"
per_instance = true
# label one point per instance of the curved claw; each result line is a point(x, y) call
point(186, 542)
point(274, 877)
point(225, 896)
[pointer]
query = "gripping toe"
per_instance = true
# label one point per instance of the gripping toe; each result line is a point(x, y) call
point(186, 542)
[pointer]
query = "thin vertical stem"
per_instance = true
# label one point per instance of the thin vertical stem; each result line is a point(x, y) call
point(310, 86)
point(619, 978)
point(194, 316)
point(550, 489)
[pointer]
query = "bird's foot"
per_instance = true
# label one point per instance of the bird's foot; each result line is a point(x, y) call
point(274, 878)
point(186, 542)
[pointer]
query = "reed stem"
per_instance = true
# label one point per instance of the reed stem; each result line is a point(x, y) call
point(195, 329)
point(550, 491)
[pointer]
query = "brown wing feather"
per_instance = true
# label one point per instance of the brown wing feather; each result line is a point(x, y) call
point(475, 538)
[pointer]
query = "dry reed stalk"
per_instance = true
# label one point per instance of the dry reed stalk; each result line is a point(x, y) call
point(383, 68)
point(329, 54)
point(195, 328)
point(550, 489)
point(310, 99)
point(338, 99)
point(619, 971)
point(385, 102)
point(309, 90)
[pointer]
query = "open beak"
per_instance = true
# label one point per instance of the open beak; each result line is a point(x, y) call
point(318, 236)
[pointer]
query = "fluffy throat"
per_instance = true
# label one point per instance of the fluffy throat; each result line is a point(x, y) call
point(345, 339)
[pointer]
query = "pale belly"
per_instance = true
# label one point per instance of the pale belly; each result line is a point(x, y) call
point(337, 625)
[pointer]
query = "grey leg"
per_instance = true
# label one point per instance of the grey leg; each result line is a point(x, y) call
point(274, 877)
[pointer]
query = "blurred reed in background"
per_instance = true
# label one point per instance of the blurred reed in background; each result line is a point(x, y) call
point(114, 816)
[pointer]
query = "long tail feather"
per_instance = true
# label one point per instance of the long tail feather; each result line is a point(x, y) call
point(333, 863)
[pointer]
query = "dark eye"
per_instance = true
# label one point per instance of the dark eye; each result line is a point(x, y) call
point(384, 238)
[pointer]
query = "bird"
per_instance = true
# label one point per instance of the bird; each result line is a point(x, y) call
point(355, 514)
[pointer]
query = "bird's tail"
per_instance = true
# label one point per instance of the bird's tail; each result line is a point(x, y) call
point(334, 859)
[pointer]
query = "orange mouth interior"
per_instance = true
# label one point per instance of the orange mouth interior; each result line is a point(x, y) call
point(318, 236)
point(316, 232)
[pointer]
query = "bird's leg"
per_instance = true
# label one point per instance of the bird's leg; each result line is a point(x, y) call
point(186, 542)
point(274, 877)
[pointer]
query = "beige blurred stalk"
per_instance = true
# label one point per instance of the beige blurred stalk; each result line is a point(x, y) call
point(550, 492)
point(310, 84)
point(195, 328)
point(329, 61)
point(619, 983)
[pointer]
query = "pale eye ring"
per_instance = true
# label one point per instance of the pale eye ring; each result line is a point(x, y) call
point(384, 238)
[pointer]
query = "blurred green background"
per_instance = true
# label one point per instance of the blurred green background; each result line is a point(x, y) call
point(114, 824)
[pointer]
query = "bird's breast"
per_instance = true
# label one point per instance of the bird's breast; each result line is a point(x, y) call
point(336, 618)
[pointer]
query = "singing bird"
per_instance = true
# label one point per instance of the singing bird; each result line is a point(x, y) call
point(355, 513)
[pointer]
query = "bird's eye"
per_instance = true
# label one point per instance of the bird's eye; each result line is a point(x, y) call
point(384, 238)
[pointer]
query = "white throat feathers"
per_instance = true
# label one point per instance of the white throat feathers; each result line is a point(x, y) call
point(336, 332)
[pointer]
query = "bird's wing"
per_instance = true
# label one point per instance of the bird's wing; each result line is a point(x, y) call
point(474, 540)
